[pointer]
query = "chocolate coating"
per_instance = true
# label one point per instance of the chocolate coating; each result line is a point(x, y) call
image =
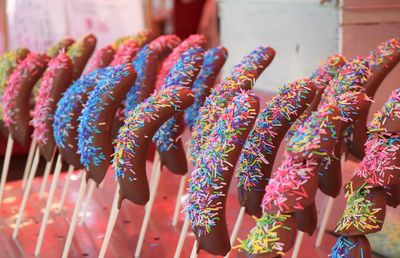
point(307, 219)
point(393, 195)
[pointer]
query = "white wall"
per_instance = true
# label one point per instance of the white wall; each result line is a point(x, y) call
point(284, 25)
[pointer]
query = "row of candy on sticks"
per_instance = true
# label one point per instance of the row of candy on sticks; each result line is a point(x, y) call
point(216, 91)
point(98, 94)
point(337, 94)
point(314, 147)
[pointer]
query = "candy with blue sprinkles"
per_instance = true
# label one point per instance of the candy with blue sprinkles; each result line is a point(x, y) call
point(351, 247)
point(94, 130)
point(146, 65)
point(183, 73)
point(68, 110)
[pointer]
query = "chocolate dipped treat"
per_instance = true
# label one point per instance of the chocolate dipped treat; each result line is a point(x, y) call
point(64, 43)
point(258, 154)
point(68, 110)
point(135, 136)
point(15, 100)
point(9, 60)
point(213, 172)
point(55, 80)
point(95, 122)
point(382, 61)
point(168, 137)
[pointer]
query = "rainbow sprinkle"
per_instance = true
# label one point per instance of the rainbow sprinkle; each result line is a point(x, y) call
point(359, 212)
point(383, 53)
point(204, 82)
point(391, 109)
point(242, 77)
point(264, 238)
point(126, 144)
point(317, 129)
point(259, 144)
point(42, 112)
point(63, 44)
point(33, 64)
point(182, 73)
point(89, 124)
point(206, 194)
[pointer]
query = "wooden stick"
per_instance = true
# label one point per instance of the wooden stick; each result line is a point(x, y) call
point(46, 174)
point(324, 222)
point(178, 200)
point(26, 193)
point(297, 244)
point(111, 223)
point(156, 161)
point(92, 186)
point(75, 216)
point(149, 205)
point(6, 166)
point(49, 201)
point(236, 228)
point(65, 188)
point(193, 254)
point(181, 190)
point(28, 163)
point(182, 237)
point(327, 211)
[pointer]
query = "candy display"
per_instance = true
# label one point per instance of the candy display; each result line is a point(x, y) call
point(104, 112)
point(292, 188)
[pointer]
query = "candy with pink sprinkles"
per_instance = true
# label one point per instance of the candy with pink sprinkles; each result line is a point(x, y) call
point(41, 113)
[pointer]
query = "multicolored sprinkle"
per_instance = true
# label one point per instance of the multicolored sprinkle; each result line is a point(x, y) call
point(201, 87)
point(264, 238)
point(207, 180)
point(127, 142)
